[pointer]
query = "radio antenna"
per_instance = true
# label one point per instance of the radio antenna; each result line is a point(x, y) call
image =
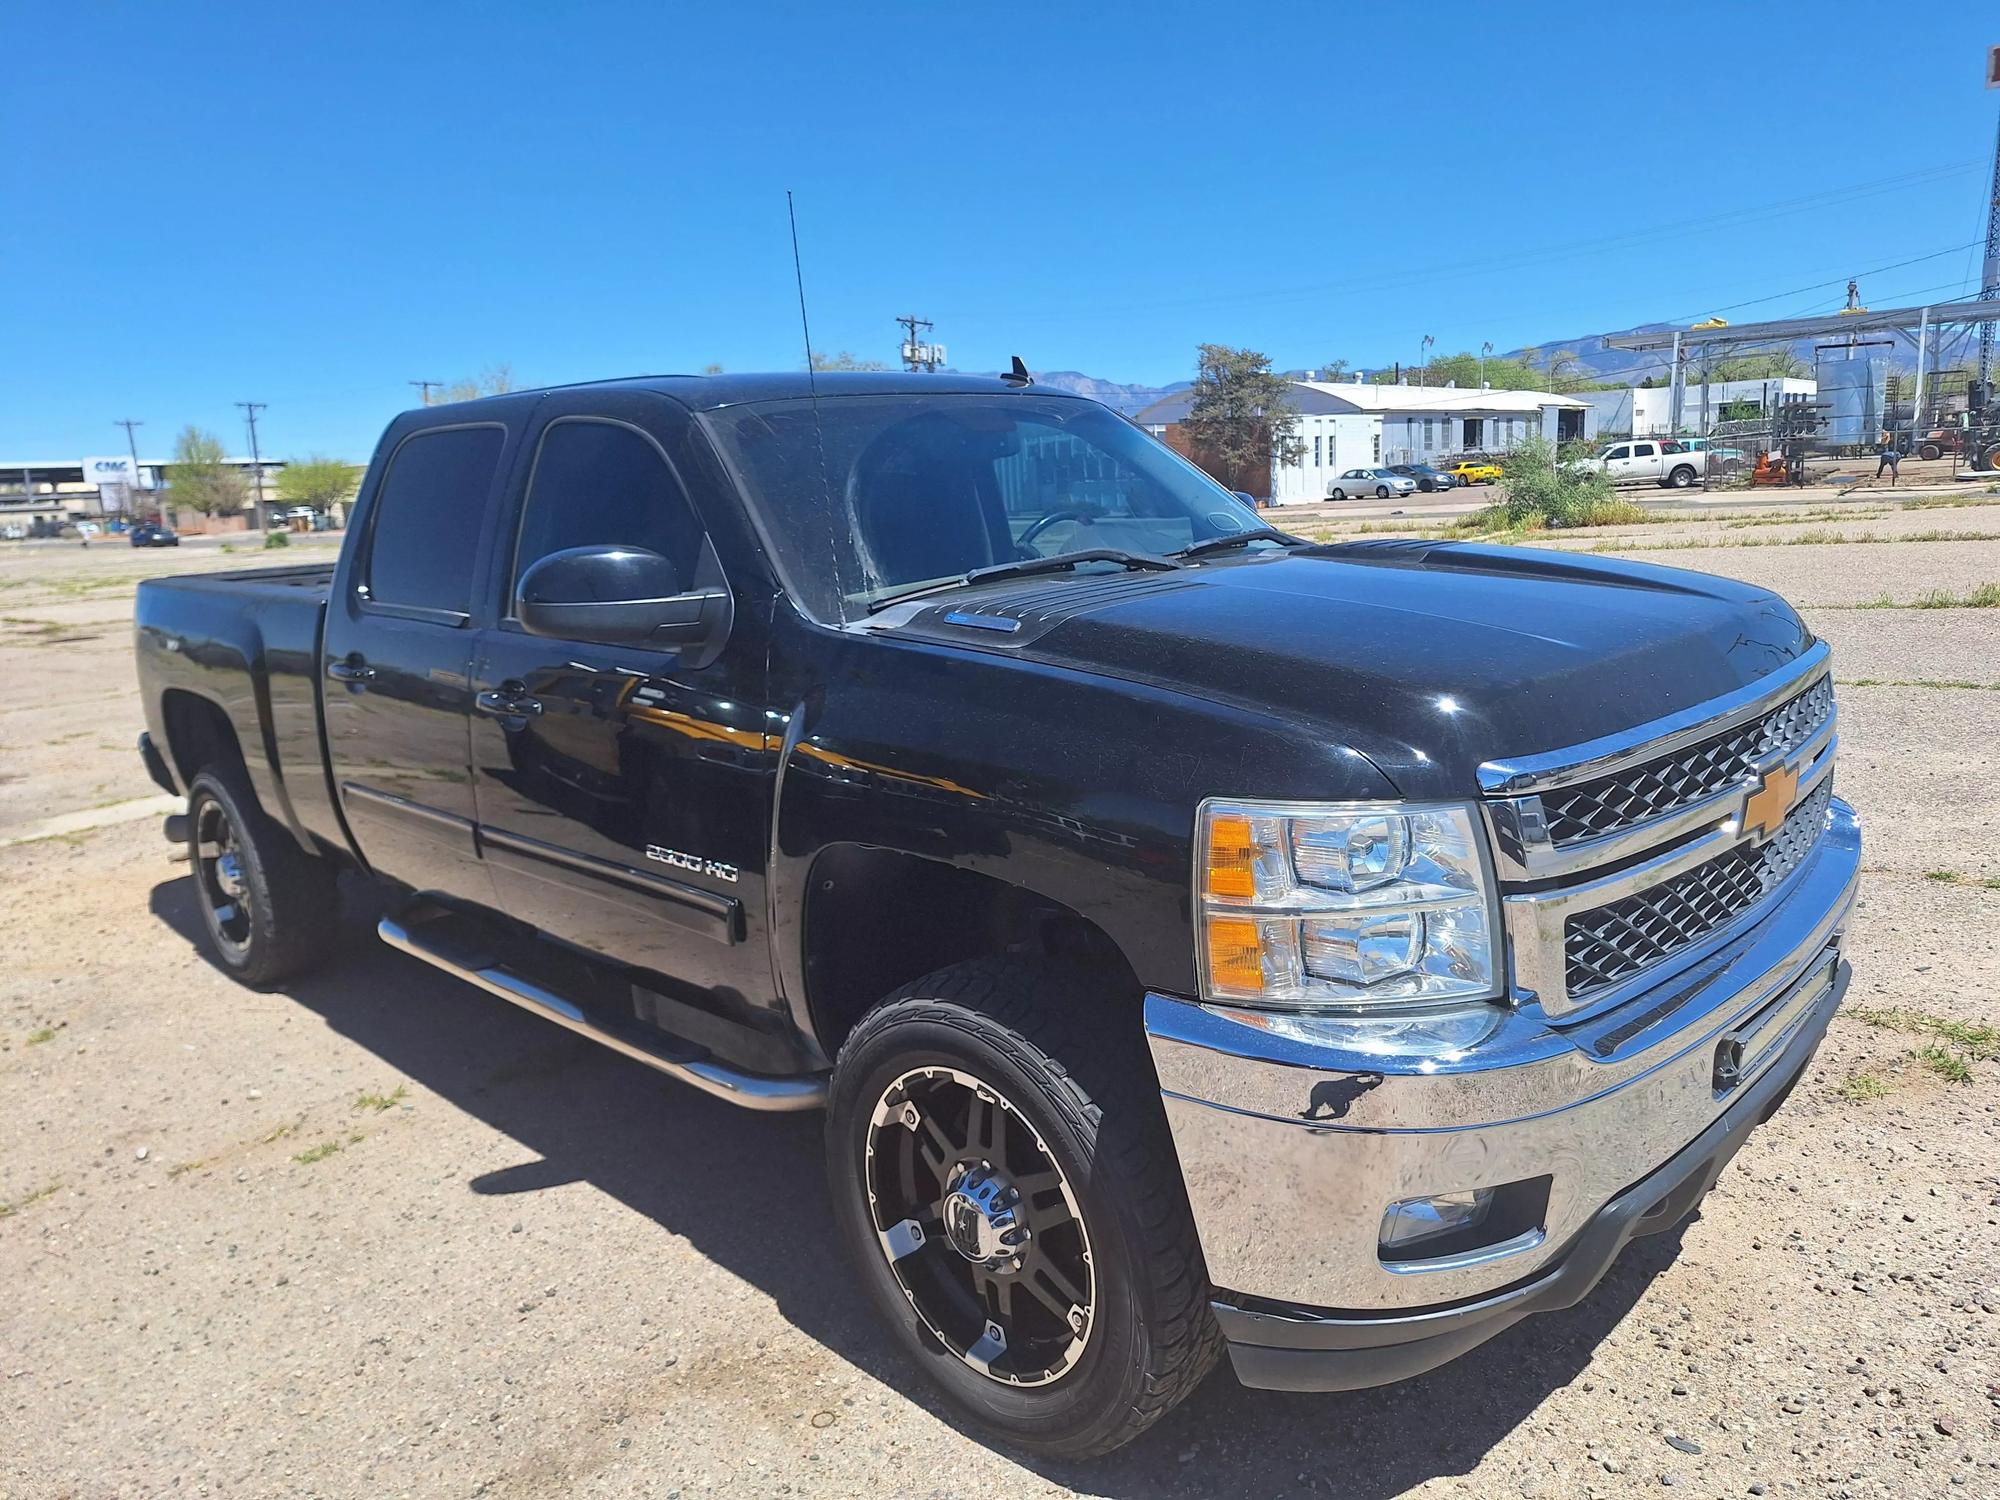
point(812, 388)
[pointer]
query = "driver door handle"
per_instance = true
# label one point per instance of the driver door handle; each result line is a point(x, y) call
point(349, 669)
point(508, 701)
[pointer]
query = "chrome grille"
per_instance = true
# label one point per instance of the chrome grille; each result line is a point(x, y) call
point(1595, 808)
point(1610, 943)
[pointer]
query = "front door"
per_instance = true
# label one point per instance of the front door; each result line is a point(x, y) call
point(623, 793)
point(398, 655)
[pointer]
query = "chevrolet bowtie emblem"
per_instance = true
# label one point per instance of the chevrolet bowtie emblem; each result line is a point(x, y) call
point(1765, 808)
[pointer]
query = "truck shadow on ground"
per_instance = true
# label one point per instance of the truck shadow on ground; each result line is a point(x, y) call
point(748, 1191)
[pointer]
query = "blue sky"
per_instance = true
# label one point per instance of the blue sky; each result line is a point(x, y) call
point(311, 206)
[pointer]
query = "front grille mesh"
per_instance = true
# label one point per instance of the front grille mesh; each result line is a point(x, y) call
point(1604, 806)
point(1612, 942)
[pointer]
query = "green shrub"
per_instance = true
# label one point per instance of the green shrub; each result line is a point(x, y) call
point(277, 539)
point(1552, 491)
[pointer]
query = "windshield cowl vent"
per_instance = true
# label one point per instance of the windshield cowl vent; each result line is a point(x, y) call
point(1010, 617)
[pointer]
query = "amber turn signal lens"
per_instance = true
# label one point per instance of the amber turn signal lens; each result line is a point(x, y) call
point(1232, 858)
point(1235, 956)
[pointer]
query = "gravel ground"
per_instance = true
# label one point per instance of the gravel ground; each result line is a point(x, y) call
point(377, 1234)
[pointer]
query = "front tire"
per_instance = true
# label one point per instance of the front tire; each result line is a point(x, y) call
point(271, 910)
point(1003, 1177)
point(1381, 492)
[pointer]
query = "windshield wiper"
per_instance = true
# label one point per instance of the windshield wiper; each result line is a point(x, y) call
point(1241, 539)
point(1027, 567)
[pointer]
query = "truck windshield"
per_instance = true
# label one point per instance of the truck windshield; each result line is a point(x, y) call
point(924, 488)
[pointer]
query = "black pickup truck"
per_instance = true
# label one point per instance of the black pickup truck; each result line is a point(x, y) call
point(1199, 939)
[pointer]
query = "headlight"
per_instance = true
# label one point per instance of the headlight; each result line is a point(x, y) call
point(1344, 905)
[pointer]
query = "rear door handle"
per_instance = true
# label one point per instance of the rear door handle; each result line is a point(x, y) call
point(350, 669)
point(507, 703)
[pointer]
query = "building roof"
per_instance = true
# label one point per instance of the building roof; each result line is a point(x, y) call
point(1320, 397)
point(1419, 399)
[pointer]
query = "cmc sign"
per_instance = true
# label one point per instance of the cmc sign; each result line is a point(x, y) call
point(114, 478)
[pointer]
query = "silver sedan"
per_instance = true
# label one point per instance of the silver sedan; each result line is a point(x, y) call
point(1381, 483)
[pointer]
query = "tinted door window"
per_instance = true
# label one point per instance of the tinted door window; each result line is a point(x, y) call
point(428, 515)
point(603, 483)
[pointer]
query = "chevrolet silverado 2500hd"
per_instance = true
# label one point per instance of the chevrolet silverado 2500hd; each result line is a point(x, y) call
point(1198, 939)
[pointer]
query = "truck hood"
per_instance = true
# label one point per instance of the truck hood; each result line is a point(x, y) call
point(1428, 658)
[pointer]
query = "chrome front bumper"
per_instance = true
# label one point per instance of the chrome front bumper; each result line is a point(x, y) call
point(1295, 1134)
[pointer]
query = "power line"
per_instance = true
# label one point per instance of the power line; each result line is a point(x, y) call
point(1571, 249)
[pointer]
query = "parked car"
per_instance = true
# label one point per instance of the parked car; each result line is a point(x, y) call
point(1428, 479)
point(153, 534)
point(1474, 471)
point(1381, 483)
point(1322, 1038)
point(1649, 460)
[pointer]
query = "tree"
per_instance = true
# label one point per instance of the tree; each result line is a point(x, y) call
point(711, 368)
point(844, 361)
point(200, 477)
point(497, 380)
point(1332, 370)
point(1242, 419)
point(317, 481)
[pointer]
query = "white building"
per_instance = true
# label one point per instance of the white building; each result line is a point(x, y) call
point(1351, 425)
point(1647, 411)
point(77, 489)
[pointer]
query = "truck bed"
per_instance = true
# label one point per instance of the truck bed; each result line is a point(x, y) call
point(245, 643)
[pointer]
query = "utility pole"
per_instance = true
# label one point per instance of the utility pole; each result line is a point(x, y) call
point(1484, 350)
point(1674, 395)
point(1424, 368)
point(1989, 279)
point(1917, 426)
point(426, 387)
point(918, 356)
point(132, 447)
point(250, 410)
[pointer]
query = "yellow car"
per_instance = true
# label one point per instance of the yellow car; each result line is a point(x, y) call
point(1473, 471)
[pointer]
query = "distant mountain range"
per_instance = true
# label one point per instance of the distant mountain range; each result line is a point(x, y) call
point(1605, 366)
point(1120, 398)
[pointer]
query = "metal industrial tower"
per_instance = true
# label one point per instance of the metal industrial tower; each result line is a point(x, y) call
point(1989, 280)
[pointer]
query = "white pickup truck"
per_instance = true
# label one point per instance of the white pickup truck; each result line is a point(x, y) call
point(1663, 462)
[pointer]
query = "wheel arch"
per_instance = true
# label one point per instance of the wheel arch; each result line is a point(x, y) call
point(877, 918)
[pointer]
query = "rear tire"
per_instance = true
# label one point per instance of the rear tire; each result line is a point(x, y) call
point(1381, 492)
point(1930, 450)
point(1338, 495)
point(270, 909)
point(1681, 478)
point(1078, 1113)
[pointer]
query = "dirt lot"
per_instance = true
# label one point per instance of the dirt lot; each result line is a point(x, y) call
point(379, 1234)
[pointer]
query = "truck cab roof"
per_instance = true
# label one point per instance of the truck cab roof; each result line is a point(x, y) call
point(711, 392)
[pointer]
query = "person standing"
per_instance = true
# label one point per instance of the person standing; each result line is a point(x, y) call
point(1888, 457)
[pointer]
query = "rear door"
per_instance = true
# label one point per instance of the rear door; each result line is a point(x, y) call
point(623, 792)
point(398, 654)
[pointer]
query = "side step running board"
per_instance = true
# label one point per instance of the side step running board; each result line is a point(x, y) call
point(750, 1090)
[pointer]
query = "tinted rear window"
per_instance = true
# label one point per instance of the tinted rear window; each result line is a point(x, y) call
point(427, 517)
